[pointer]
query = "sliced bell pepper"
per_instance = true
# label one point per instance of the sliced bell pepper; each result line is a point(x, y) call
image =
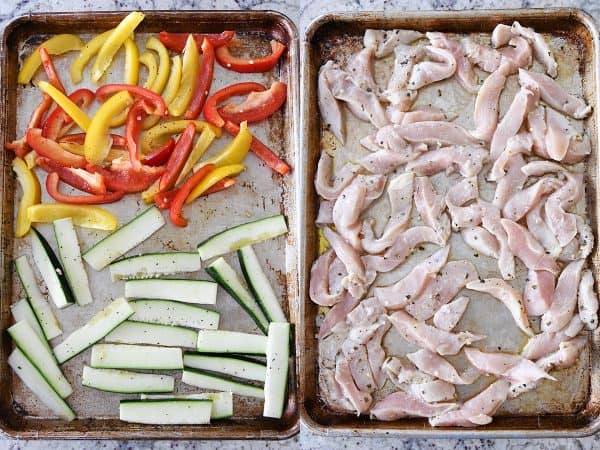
point(149, 60)
point(155, 135)
point(78, 116)
point(58, 121)
point(234, 152)
point(132, 63)
point(112, 44)
point(164, 64)
point(163, 200)
point(206, 138)
point(137, 91)
point(210, 108)
point(87, 216)
point(92, 183)
point(56, 45)
point(175, 211)
point(149, 194)
point(52, 186)
point(161, 155)
point(19, 146)
point(177, 160)
point(176, 41)
point(257, 106)
point(79, 138)
point(50, 70)
point(262, 151)
point(97, 139)
point(219, 186)
point(251, 65)
point(189, 78)
point(88, 51)
point(172, 86)
point(122, 177)
point(212, 178)
point(51, 149)
point(136, 115)
point(31, 195)
point(77, 149)
point(204, 81)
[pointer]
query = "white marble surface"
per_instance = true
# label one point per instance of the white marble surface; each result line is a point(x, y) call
point(302, 12)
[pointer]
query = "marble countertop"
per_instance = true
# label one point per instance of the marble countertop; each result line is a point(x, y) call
point(302, 12)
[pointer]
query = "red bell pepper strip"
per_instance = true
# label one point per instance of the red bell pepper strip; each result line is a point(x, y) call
point(58, 120)
point(251, 65)
point(51, 72)
point(210, 108)
point(219, 186)
point(175, 212)
point(262, 151)
point(124, 178)
point(178, 157)
point(163, 200)
point(160, 107)
point(52, 182)
point(79, 138)
point(176, 41)
point(92, 183)
point(51, 149)
point(136, 115)
point(161, 155)
point(204, 81)
point(258, 105)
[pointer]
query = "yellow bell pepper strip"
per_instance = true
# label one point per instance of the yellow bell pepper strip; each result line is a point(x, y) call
point(77, 149)
point(31, 195)
point(156, 135)
point(132, 63)
point(189, 78)
point(72, 110)
point(56, 45)
point(148, 194)
point(213, 178)
point(88, 51)
point(86, 216)
point(172, 86)
point(202, 144)
point(149, 60)
point(232, 153)
point(97, 140)
point(164, 64)
point(113, 43)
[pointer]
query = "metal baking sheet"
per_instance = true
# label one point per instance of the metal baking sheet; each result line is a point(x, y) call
point(258, 193)
point(567, 407)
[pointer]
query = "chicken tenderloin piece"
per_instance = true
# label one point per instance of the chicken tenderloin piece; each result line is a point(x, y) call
point(330, 108)
point(448, 316)
point(459, 195)
point(565, 298)
point(541, 50)
point(464, 69)
point(538, 294)
point(485, 114)
point(385, 41)
point(396, 92)
point(588, 301)
point(324, 186)
point(482, 241)
point(360, 66)
point(441, 65)
point(399, 405)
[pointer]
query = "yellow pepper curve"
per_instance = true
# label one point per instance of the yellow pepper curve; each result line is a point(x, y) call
point(74, 111)
point(88, 51)
point(156, 135)
point(164, 64)
point(31, 195)
point(132, 71)
point(234, 152)
point(87, 216)
point(149, 60)
point(206, 138)
point(187, 86)
point(214, 177)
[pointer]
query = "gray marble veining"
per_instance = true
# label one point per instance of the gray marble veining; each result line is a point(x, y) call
point(302, 12)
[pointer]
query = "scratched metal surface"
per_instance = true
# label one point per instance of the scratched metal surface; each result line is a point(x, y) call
point(571, 394)
point(258, 193)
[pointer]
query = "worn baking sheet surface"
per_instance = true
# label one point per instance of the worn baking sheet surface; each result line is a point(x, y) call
point(258, 193)
point(573, 397)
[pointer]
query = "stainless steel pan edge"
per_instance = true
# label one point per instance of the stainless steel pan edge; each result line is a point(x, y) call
point(312, 413)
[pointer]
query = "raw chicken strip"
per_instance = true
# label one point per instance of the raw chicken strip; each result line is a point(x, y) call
point(347, 210)
point(358, 362)
point(431, 207)
point(430, 337)
point(565, 298)
point(323, 185)
point(319, 281)
point(360, 400)
point(332, 391)
point(501, 35)
point(524, 246)
point(464, 70)
point(512, 120)
point(525, 200)
point(441, 66)
point(384, 161)
point(423, 114)
point(330, 108)
point(509, 296)
point(540, 230)
point(360, 67)
point(366, 313)
point(481, 240)
point(386, 138)
point(433, 364)
point(539, 292)
point(543, 344)
point(450, 314)
point(468, 160)
point(536, 125)
point(459, 195)
point(476, 411)
point(325, 214)
point(441, 289)
point(490, 220)
point(398, 295)
point(384, 41)
point(400, 404)
point(520, 143)
point(396, 92)
point(588, 301)
point(337, 314)
point(565, 356)
point(436, 133)
point(541, 50)
point(518, 52)
point(355, 282)
point(485, 114)
point(486, 58)
point(376, 353)
point(432, 392)
point(402, 372)
point(558, 135)
point(400, 193)
point(554, 95)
